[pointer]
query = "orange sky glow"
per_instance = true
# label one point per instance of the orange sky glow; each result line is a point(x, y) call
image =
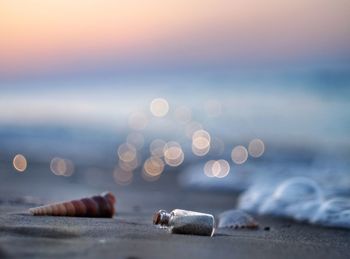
point(39, 35)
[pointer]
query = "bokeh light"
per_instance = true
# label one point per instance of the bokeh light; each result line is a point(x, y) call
point(157, 147)
point(159, 107)
point(217, 168)
point(173, 154)
point(20, 163)
point(256, 148)
point(221, 168)
point(208, 168)
point(121, 176)
point(128, 157)
point(153, 166)
point(129, 165)
point(138, 120)
point(127, 152)
point(200, 142)
point(62, 167)
point(239, 154)
point(135, 139)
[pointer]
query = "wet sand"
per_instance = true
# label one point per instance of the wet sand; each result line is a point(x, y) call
point(130, 234)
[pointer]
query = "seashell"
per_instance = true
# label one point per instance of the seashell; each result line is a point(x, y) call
point(99, 206)
point(236, 219)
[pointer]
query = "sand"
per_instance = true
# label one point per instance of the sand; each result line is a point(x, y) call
point(130, 234)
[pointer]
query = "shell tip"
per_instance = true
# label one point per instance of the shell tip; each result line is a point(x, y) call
point(31, 211)
point(110, 196)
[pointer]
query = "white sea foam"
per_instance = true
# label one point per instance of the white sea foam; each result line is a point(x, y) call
point(333, 212)
point(299, 198)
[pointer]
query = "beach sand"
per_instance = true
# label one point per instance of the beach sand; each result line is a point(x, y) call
point(130, 234)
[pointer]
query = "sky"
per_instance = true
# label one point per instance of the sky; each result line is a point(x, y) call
point(48, 37)
point(276, 70)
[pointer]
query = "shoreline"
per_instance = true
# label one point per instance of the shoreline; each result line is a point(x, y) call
point(131, 234)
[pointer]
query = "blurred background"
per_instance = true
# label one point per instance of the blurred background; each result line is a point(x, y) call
point(150, 94)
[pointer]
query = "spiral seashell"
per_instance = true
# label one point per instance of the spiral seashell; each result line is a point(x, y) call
point(99, 206)
point(237, 219)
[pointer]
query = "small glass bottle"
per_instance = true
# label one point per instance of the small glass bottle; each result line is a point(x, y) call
point(185, 222)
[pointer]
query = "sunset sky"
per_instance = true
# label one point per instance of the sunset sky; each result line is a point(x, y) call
point(40, 37)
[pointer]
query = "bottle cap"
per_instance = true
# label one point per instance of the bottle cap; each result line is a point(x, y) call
point(161, 217)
